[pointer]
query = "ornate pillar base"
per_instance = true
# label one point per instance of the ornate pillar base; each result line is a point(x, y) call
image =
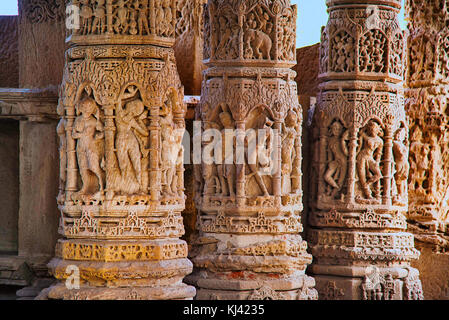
point(267, 268)
point(367, 283)
point(117, 270)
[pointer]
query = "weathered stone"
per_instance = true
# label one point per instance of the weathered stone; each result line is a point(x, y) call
point(307, 70)
point(121, 189)
point(249, 220)
point(41, 43)
point(359, 201)
point(189, 44)
point(9, 52)
point(426, 103)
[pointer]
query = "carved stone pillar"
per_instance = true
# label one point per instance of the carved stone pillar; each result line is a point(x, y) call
point(358, 240)
point(121, 189)
point(189, 44)
point(250, 204)
point(426, 105)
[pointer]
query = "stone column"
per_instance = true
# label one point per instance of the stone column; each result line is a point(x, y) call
point(426, 105)
point(122, 123)
point(250, 205)
point(189, 44)
point(358, 239)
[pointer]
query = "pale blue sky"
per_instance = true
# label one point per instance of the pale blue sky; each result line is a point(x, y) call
point(312, 15)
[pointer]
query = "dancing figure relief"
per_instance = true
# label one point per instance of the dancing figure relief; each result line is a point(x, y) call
point(336, 172)
point(130, 139)
point(259, 161)
point(369, 155)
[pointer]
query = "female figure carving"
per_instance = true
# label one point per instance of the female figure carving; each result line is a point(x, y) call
point(337, 157)
point(368, 158)
point(400, 151)
point(130, 150)
point(226, 172)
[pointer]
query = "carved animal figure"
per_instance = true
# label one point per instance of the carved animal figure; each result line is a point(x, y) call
point(260, 42)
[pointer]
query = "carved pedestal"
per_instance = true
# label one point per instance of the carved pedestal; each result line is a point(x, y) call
point(426, 105)
point(121, 175)
point(250, 198)
point(360, 171)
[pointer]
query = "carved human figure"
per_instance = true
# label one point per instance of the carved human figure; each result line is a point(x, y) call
point(171, 153)
point(421, 165)
point(264, 20)
point(251, 22)
point(400, 152)
point(337, 157)
point(378, 52)
point(436, 172)
point(100, 17)
point(369, 156)
point(89, 133)
point(257, 160)
point(142, 19)
point(226, 172)
point(225, 32)
point(160, 17)
point(61, 131)
point(86, 14)
point(429, 58)
point(287, 155)
point(168, 17)
point(293, 122)
point(350, 55)
point(133, 13)
point(130, 149)
point(211, 182)
point(121, 25)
